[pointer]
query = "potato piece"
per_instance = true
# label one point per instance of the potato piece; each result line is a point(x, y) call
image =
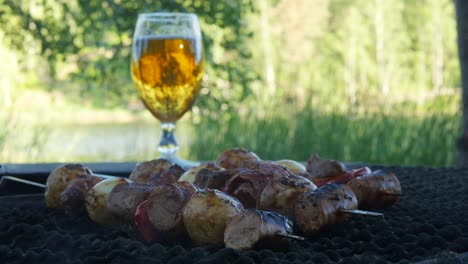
point(206, 215)
point(96, 201)
point(59, 179)
point(294, 166)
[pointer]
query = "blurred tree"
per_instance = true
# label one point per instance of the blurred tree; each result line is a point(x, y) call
point(462, 27)
point(95, 36)
point(336, 52)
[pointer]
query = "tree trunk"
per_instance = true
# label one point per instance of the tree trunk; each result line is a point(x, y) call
point(267, 49)
point(381, 50)
point(437, 48)
point(350, 72)
point(462, 29)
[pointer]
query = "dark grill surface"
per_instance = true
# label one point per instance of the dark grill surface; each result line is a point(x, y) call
point(430, 223)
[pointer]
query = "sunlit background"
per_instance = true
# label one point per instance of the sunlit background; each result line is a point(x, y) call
point(359, 81)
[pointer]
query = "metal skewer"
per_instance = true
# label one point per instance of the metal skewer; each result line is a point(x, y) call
point(40, 185)
point(11, 178)
point(104, 176)
point(360, 212)
point(292, 236)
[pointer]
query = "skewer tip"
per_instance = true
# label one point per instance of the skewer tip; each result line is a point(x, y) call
point(300, 238)
point(361, 212)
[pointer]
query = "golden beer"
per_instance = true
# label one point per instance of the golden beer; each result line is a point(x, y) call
point(167, 72)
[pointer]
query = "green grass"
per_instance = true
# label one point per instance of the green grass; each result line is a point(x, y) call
point(374, 137)
point(404, 134)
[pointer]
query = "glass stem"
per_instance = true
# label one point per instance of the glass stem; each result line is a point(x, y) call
point(168, 145)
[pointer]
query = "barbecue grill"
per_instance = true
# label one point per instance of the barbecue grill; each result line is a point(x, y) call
point(429, 225)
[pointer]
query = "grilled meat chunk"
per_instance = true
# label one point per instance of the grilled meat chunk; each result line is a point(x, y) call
point(319, 208)
point(166, 223)
point(189, 176)
point(376, 190)
point(213, 179)
point(255, 229)
point(319, 168)
point(247, 186)
point(280, 193)
point(123, 200)
point(146, 170)
point(171, 175)
point(235, 158)
point(344, 178)
point(73, 197)
point(268, 187)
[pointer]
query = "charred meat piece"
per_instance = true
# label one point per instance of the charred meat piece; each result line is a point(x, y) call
point(319, 208)
point(271, 168)
point(255, 229)
point(235, 158)
point(268, 187)
point(213, 179)
point(146, 229)
point(280, 193)
point(247, 186)
point(344, 178)
point(189, 176)
point(171, 175)
point(123, 200)
point(159, 218)
point(319, 168)
point(59, 179)
point(146, 170)
point(376, 190)
point(206, 215)
point(73, 197)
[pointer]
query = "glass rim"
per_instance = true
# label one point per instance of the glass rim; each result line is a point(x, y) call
point(167, 14)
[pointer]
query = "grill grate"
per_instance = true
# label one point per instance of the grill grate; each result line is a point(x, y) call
point(429, 223)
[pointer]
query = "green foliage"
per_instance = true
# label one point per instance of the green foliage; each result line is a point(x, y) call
point(20, 141)
point(355, 80)
point(96, 35)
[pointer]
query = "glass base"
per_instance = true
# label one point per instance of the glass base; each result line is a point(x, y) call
point(168, 147)
point(186, 164)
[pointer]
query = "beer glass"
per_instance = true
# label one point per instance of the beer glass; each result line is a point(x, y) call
point(167, 67)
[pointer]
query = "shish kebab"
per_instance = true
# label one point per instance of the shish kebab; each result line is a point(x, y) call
point(159, 218)
point(250, 162)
